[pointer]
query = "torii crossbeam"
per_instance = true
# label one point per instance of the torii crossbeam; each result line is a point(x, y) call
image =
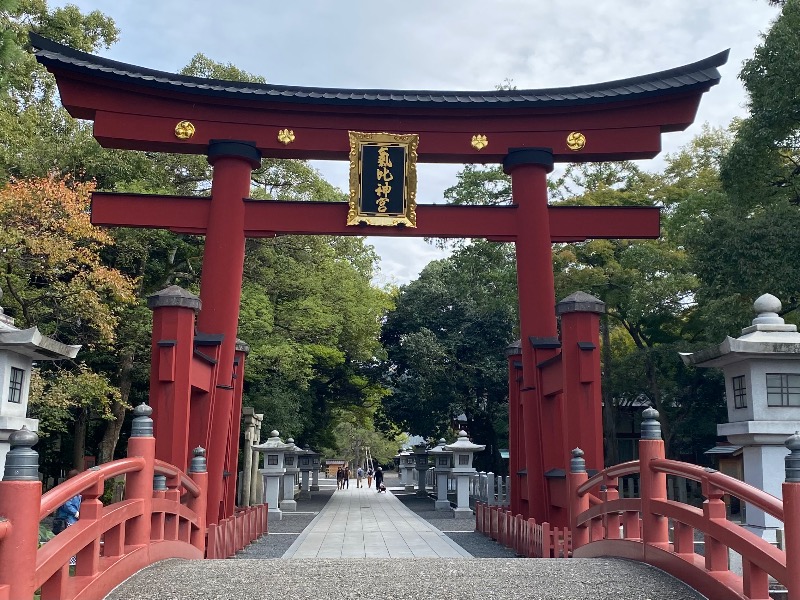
point(525, 130)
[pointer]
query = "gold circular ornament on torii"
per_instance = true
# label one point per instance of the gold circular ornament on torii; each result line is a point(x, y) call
point(576, 141)
point(184, 130)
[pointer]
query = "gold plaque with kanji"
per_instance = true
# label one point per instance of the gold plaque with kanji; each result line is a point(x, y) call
point(383, 179)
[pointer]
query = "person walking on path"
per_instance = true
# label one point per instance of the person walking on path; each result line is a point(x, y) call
point(378, 479)
point(359, 476)
point(346, 477)
point(339, 478)
point(369, 477)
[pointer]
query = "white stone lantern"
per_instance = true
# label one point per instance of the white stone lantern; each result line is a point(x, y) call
point(421, 464)
point(309, 468)
point(463, 451)
point(274, 469)
point(442, 466)
point(19, 348)
point(290, 461)
point(407, 463)
point(762, 389)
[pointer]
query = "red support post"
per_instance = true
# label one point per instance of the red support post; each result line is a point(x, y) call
point(232, 457)
point(172, 349)
point(516, 442)
point(577, 504)
point(199, 474)
point(20, 499)
point(580, 359)
point(791, 516)
point(220, 292)
point(652, 485)
point(528, 168)
point(139, 484)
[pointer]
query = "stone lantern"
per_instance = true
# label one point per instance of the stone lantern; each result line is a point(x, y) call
point(463, 451)
point(762, 389)
point(421, 464)
point(19, 348)
point(442, 466)
point(407, 463)
point(397, 458)
point(290, 461)
point(309, 466)
point(273, 450)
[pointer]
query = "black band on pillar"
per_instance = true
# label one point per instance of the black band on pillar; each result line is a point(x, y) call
point(245, 150)
point(528, 156)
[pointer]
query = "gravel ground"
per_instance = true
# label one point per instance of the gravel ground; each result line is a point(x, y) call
point(283, 533)
point(402, 579)
point(461, 531)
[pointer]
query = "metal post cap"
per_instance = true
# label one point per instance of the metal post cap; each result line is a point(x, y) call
point(142, 423)
point(651, 428)
point(22, 461)
point(198, 463)
point(793, 458)
point(577, 464)
point(159, 483)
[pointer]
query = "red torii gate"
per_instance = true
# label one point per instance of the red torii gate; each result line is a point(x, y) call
point(525, 130)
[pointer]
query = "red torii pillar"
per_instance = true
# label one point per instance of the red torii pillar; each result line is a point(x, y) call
point(528, 168)
point(221, 291)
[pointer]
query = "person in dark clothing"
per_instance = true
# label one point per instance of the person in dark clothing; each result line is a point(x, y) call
point(339, 477)
point(379, 479)
point(346, 477)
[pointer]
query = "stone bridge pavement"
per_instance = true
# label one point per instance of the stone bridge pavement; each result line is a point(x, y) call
point(365, 545)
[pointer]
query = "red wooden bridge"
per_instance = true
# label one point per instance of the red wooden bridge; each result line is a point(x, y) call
point(197, 366)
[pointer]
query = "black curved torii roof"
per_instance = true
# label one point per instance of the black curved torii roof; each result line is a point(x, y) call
point(699, 75)
point(138, 108)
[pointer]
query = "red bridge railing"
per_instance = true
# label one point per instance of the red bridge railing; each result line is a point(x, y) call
point(661, 532)
point(162, 515)
point(525, 536)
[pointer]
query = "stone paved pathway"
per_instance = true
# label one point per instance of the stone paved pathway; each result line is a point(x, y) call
point(361, 523)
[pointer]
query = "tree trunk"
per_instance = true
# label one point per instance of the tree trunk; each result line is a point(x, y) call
point(79, 439)
point(113, 428)
point(609, 410)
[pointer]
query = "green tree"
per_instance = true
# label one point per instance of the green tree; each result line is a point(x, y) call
point(763, 166)
point(446, 344)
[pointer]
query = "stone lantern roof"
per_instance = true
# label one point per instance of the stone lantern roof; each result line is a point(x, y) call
point(273, 442)
point(30, 342)
point(768, 335)
point(439, 448)
point(463, 444)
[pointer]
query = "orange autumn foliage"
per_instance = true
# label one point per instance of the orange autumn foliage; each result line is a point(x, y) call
point(51, 268)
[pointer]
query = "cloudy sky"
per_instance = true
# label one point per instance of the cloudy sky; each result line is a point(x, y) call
point(446, 45)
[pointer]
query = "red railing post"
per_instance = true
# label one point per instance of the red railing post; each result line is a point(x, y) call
point(577, 503)
point(716, 553)
point(791, 519)
point(139, 484)
point(20, 498)
point(611, 521)
point(199, 474)
point(88, 558)
point(653, 485)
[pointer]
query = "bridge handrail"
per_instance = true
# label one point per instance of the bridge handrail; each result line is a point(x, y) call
point(80, 483)
point(612, 472)
point(164, 468)
point(727, 484)
point(663, 532)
